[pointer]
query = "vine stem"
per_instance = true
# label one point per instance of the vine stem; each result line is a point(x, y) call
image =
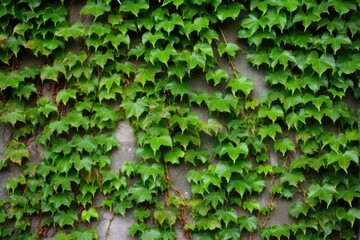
point(235, 71)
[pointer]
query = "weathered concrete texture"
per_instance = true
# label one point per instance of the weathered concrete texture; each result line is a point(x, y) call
point(126, 138)
point(113, 227)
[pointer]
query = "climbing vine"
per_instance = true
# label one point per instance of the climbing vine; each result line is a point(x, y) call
point(67, 80)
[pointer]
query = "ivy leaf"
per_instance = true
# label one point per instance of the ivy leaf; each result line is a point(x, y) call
point(249, 223)
point(335, 42)
point(197, 25)
point(298, 208)
point(56, 15)
point(292, 177)
point(234, 152)
point(251, 205)
point(157, 141)
point(134, 108)
point(177, 3)
point(216, 75)
point(243, 83)
point(162, 55)
point(281, 56)
point(62, 199)
point(52, 72)
point(15, 152)
point(343, 159)
point(284, 145)
point(13, 112)
point(168, 216)
point(229, 48)
point(65, 218)
point(348, 63)
point(229, 233)
point(63, 181)
point(141, 193)
point(133, 6)
point(146, 73)
point(177, 88)
point(273, 113)
point(101, 59)
point(169, 24)
point(231, 10)
point(75, 30)
point(46, 106)
point(172, 156)
point(269, 130)
point(258, 58)
point(320, 65)
point(323, 193)
point(155, 170)
point(217, 103)
point(210, 222)
point(64, 95)
point(83, 234)
point(96, 9)
point(252, 22)
point(86, 215)
point(227, 215)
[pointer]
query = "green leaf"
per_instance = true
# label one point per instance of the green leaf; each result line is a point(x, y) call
point(292, 177)
point(197, 25)
point(229, 48)
point(269, 130)
point(52, 72)
point(249, 223)
point(75, 30)
point(86, 215)
point(157, 141)
point(229, 233)
point(172, 156)
point(298, 208)
point(251, 205)
point(13, 112)
point(169, 216)
point(234, 151)
point(284, 145)
point(141, 193)
point(217, 103)
point(146, 73)
point(216, 75)
point(210, 222)
point(65, 218)
point(168, 24)
point(162, 55)
point(252, 22)
point(133, 6)
point(335, 42)
point(273, 113)
point(320, 65)
point(63, 181)
point(177, 3)
point(96, 9)
point(83, 234)
point(61, 199)
point(64, 95)
point(101, 59)
point(227, 215)
point(281, 56)
point(56, 15)
point(343, 159)
point(16, 151)
point(134, 108)
point(243, 83)
point(231, 10)
point(323, 193)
